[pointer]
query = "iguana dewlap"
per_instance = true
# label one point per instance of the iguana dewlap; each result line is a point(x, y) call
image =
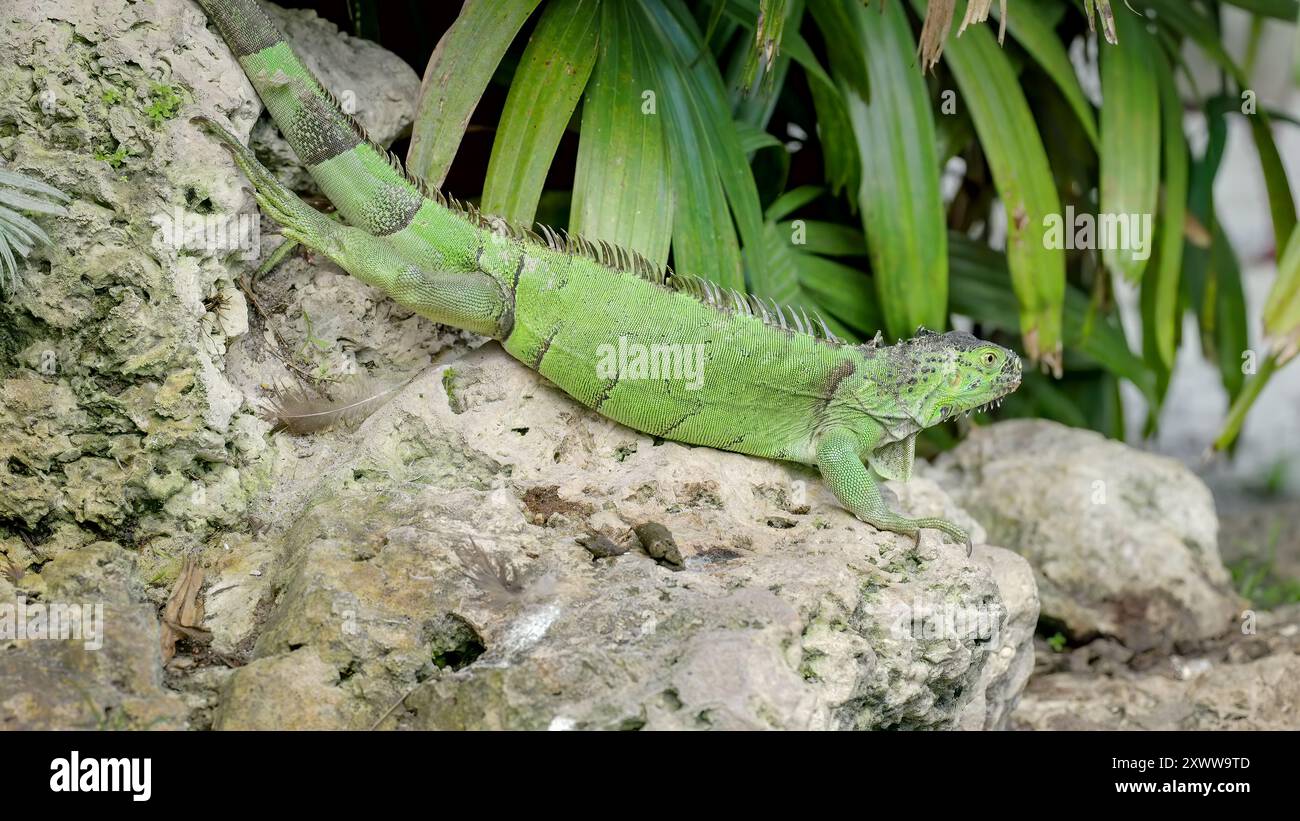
point(664, 353)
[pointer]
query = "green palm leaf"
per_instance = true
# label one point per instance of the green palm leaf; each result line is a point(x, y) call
point(621, 190)
point(1130, 136)
point(454, 80)
point(1023, 178)
point(712, 180)
point(19, 234)
point(545, 91)
point(901, 207)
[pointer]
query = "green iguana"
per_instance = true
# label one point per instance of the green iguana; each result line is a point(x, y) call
point(774, 383)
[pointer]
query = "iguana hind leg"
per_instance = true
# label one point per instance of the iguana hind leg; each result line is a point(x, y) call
point(858, 489)
point(466, 299)
point(300, 222)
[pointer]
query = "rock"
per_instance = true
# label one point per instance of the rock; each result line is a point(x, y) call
point(828, 623)
point(602, 547)
point(658, 543)
point(126, 362)
point(1243, 680)
point(254, 693)
point(105, 671)
point(1010, 666)
point(1123, 543)
point(1258, 695)
point(373, 84)
point(111, 373)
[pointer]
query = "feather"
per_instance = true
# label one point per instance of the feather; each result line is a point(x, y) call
point(301, 410)
point(494, 576)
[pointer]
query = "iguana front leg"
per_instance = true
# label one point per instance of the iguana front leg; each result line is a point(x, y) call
point(839, 457)
point(465, 299)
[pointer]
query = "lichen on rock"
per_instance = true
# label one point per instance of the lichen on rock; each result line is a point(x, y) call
point(121, 417)
point(826, 623)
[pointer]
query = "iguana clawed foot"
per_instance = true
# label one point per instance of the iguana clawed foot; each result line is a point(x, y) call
point(858, 488)
point(913, 527)
point(299, 221)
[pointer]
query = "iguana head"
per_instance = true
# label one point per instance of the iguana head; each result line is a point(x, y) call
point(941, 376)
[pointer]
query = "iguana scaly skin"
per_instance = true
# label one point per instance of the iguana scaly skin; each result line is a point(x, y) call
point(771, 383)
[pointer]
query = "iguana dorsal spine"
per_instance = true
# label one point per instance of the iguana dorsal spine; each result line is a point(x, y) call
point(672, 355)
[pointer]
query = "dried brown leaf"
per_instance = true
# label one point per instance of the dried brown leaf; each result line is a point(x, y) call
point(183, 611)
point(938, 22)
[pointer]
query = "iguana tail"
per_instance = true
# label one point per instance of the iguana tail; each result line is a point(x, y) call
point(429, 264)
point(471, 300)
point(361, 179)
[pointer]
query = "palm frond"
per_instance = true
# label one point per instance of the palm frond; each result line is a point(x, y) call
point(18, 234)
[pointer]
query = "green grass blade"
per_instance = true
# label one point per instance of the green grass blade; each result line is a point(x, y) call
point(1173, 214)
point(1286, 10)
point(753, 138)
point(455, 78)
point(547, 86)
point(841, 292)
point(1243, 403)
point(828, 239)
point(1282, 308)
point(1032, 26)
point(1018, 161)
point(899, 198)
point(712, 178)
point(783, 258)
point(1188, 21)
point(838, 21)
point(1230, 332)
point(792, 201)
point(621, 190)
point(1281, 329)
point(980, 289)
point(841, 164)
point(1130, 137)
point(1280, 201)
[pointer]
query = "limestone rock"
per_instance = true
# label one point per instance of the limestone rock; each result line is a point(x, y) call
point(1258, 695)
point(433, 580)
point(1123, 543)
point(111, 379)
point(103, 669)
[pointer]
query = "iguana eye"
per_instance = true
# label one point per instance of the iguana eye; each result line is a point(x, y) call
point(990, 358)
